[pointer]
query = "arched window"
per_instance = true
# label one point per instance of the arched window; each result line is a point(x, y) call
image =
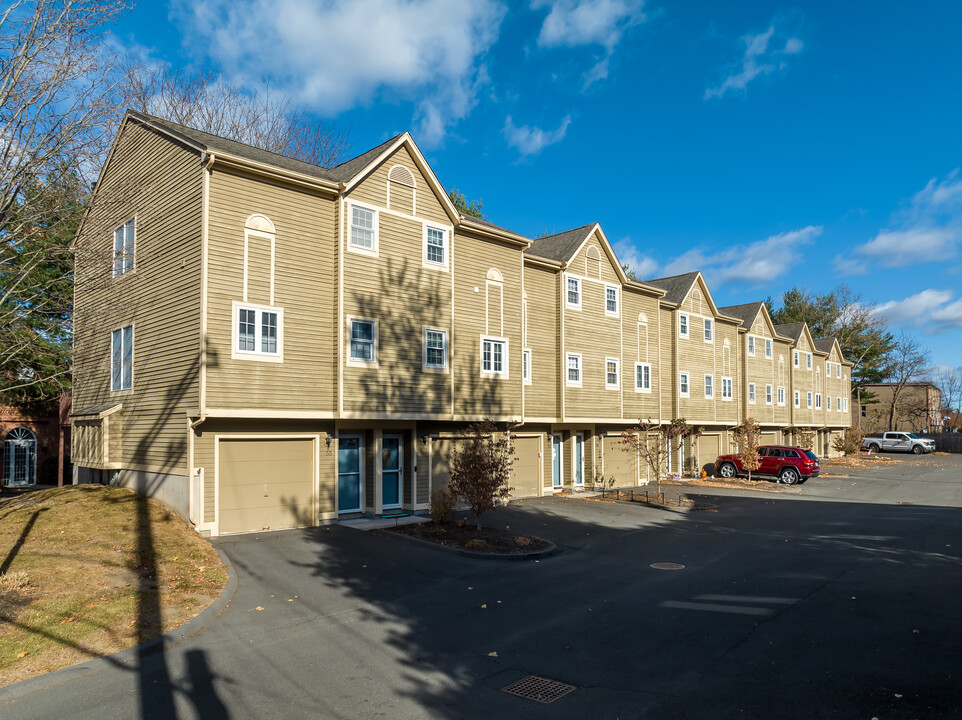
point(20, 457)
point(593, 262)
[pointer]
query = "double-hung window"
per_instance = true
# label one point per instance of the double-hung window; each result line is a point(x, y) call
point(828, 403)
point(574, 369)
point(845, 405)
point(683, 325)
point(768, 349)
point(526, 366)
point(751, 345)
point(768, 394)
point(795, 356)
point(828, 369)
point(435, 246)
point(751, 393)
point(494, 356)
point(574, 292)
point(642, 377)
point(808, 361)
point(364, 341)
point(122, 358)
point(611, 373)
point(709, 330)
point(683, 384)
point(258, 332)
point(726, 388)
point(809, 399)
point(818, 401)
point(838, 405)
point(781, 395)
point(709, 386)
point(611, 300)
point(798, 399)
point(435, 349)
point(363, 229)
point(124, 248)
point(838, 370)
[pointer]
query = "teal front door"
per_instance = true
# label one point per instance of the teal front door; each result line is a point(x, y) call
point(556, 461)
point(391, 451)
point(349, 474)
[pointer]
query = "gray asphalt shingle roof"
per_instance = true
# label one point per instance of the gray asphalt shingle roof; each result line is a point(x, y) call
point(791, 330)
point(676, 287)
point(746, 312)
point(560, 246)
point(824, 344)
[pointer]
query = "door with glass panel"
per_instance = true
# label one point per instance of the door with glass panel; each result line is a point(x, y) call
point(556, 461)
point(349, 458)
point(391, 452)
point(579, 460)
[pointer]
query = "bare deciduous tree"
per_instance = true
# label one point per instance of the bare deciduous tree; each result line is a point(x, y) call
point(908, 362)
point(746, 439)
point(655, 443)
point(481, 468)
point(949, 382)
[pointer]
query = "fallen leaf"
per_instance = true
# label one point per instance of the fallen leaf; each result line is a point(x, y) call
point(258, 608)
point(23, 654)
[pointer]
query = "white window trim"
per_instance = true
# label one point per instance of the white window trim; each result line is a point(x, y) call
point(370, 252)
point(796, 358)
point(809, 398)
point(424, 355)
point(256, 355)
point(443, 266)
point(709, 329)
point(351, 362)
point(818, 401)
point(727, 389)
point(751, 346)
point(844, 404)
point(568, 304)
point(828, 403)
point(124, 254)
point(111, 351)
point(768, 349)
point(643, 389)
point(781, 394)
point(526, 370)
point(617, 363)
point(687, 383)
point(828, 369)
point(808, 361)
point(505, 358)
point(798, 399)
point(838, 370)
point(617, 311)
point(769, 395)
point(709, 386)
point(581, 371)
point(751, 393)
point(687, 332)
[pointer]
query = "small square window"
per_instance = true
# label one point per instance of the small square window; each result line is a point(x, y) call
point(611, 373)
point(124, 248)
point(611, 300)
point(435, 348)
point(494, 353)
point(122, 358)
point(751, 345)
point(574, 292)
point(363, 228)
point(683, 384)
point(709, 386)
point(768, 349)
point(574, 370)
point(683, 324)
point(642, 377)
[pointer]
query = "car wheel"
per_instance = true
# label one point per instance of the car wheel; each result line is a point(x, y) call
point(873, 447)
point(789, 476)
point(917, 449)
point(727, 470)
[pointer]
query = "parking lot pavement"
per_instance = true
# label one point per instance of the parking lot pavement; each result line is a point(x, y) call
point(786, 606)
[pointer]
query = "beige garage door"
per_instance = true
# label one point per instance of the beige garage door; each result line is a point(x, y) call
point(619, 465)
point(708, 451)
point(265, 484)
point(525, 470)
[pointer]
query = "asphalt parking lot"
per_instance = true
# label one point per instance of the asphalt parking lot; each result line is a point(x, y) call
point(838, 598)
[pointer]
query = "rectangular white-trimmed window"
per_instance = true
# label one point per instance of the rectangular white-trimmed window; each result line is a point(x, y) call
point(494, 356)
point(768, 394)
point(573, 297)
point(364, 341)
point(781, 396)
point(124, 248)
point(828, 403)
point(683, 384)
point(574, 369)
point(818, 401)
point(258, 331)
point(796, 358)
point(611, 373)
point(435, 348)
point(798, 399)
point(808, 361)
point(643, 377)
point(751, 345)
point(751, 393)
point(768, 349)
point(709, 330)
point(838, 404)
point(845, 405)
point(611, 300)
point(435, 246)
point(526, 366)
point(122, 358)
point(709, 386)
point(809, 400)
point(828, 369)
point(726, 388)
point(363, 229)
point(683, 325)
point(838, 370)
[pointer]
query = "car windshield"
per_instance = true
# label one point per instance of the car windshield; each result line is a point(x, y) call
point(811, 455)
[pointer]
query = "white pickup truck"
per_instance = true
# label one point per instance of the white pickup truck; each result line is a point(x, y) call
point(898, 442)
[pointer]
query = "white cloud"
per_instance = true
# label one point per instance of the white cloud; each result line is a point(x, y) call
point(948, 317)
point(765, 53)
point(643, 266)
point(531, 140)
point(755, 264)
point(914, 310)
point(574, 23)
point(927, 228)
point(334, 56)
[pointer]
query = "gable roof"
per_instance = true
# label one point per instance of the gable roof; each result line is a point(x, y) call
point(791, 330)
point(562, 246)
point(824, 345)
point(676, 287)
point(746, 313)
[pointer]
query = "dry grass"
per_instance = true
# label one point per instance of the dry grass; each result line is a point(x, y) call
point(91, 570)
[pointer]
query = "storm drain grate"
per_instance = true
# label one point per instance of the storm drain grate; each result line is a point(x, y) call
point(539, 689)
point(667, 566)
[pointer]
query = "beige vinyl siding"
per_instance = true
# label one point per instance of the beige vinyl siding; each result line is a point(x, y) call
point(804, 382)
point(668, 362)
point(160, 298)
point(542, 397)
point(593, 335)
point(477, 395)
point(373, 190)
point(304, 289)
point(584, 266)
point(87, 443)
point(641, 344)
point(760, 370)
point(782, 350)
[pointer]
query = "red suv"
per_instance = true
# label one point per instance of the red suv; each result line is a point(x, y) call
point(789, 464)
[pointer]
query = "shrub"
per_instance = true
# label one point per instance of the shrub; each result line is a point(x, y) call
point(481, 469)
point(851, 442)
point(442, 503)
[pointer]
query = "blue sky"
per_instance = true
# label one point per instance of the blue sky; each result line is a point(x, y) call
point(767, 145)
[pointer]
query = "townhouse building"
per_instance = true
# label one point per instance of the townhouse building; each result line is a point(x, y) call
point(264, 343)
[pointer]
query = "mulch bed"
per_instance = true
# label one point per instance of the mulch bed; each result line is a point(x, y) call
point(467, 537)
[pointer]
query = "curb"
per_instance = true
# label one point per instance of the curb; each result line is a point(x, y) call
point(550, 550)
point(129, 656)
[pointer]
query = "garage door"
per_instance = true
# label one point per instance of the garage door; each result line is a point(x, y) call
point(265, 484)
point(708, 451)
point(618, 464)
point(525, 470)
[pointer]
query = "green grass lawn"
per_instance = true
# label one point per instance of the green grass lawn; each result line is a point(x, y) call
point(88, 570)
